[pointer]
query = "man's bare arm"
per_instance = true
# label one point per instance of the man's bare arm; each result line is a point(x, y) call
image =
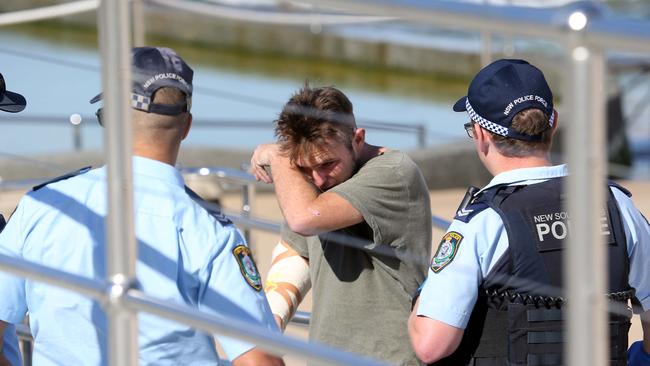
point(257, 357)
point(306, 211)
point(432, 340)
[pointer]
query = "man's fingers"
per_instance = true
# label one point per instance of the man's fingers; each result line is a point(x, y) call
point(261, 174)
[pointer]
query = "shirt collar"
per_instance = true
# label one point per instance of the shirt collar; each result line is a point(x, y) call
point(158, 170)
point(528, 175)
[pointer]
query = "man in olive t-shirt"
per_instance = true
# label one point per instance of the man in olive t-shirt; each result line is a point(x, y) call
point(358, 227)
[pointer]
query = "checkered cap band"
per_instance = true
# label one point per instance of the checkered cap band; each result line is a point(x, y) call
point(551, 119)
point(488, 125)
point(491, 126)
point(140, 102)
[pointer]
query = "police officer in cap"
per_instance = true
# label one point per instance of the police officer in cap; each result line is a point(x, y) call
point(188, 253)
point(492, 295)
point(9, 353)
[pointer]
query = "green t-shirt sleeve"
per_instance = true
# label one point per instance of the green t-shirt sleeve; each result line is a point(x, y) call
point(381, 191)
point(295, 241)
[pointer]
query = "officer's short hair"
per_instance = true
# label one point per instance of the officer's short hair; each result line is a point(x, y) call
point(530, 121)
point(311, 118)
point(163, 96)
point(169, 96)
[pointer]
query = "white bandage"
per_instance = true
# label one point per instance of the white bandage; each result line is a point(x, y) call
point(287, 282)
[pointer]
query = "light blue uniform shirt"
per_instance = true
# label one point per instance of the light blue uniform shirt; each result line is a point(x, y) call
point(449, 295)
point(185, 256)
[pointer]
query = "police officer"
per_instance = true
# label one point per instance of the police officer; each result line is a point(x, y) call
point(492, 294)
point(187, 254)
point(9, 353)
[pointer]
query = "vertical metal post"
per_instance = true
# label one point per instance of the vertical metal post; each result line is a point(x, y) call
point(422, 136)
point(139, 28)
point(585, 256)
point(247, 191)
point(486, 48)
point(121, 250)
point(27, 350)
point(76, 137)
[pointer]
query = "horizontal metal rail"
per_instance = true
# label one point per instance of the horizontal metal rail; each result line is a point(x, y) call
point(603, 29)
point(418, 130)
point(232, 175)
point(48, 12)
point(105, 292)
point(259, 16)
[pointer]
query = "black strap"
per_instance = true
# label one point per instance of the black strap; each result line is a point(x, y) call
point(545, 337)
point(548, 359)
point(544, 315)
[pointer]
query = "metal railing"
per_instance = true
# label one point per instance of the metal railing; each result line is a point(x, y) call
point(242, 219)
point(583, 29)
point(418, 130)
point(241, 178)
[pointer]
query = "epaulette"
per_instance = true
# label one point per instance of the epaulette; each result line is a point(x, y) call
point(469, 206)
point(467, 213)
point(212, 208)
point(611, 183)
point(63, 177)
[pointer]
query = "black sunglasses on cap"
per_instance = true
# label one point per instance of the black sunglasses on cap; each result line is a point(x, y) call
point(168, 110)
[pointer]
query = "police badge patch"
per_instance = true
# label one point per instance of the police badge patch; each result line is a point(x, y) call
point(446, 251)
point(247, 266)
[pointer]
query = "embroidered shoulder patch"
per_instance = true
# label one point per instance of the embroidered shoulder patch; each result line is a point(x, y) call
point(446, 251)
point(247, 266)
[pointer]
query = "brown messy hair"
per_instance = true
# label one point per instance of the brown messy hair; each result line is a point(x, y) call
point(530, 122)
point(312, 118)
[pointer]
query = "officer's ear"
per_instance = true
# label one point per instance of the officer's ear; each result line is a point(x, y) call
point(188, 124)
point(482, 139)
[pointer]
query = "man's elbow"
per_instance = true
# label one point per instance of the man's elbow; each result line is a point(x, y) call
point(257, 357)
point(433, 340)
point(429, 353)
point(301, 225)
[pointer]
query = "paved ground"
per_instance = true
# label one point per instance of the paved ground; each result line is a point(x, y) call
point(444, 203)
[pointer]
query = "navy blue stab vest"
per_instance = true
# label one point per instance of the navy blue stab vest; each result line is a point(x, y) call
point(517, 320)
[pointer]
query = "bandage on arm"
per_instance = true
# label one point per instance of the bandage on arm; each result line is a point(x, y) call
point(287, 282)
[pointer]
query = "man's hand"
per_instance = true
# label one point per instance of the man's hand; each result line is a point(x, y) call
point(262, 157)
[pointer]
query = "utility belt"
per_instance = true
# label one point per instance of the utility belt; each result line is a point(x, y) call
point(533, 334)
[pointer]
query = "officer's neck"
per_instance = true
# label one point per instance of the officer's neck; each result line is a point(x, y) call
point(165, 154)
point(500, 164)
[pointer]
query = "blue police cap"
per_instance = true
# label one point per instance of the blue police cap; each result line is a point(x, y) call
point(10, 101)
point(154, 68)
point(501, 90)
